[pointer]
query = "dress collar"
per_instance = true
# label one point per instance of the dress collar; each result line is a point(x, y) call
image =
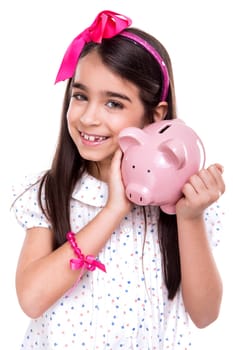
point(91, 191)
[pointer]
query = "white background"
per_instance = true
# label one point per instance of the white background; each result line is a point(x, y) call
point(33, 37)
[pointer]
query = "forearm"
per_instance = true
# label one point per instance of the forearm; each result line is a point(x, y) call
point(200, 280)
point(45, 279)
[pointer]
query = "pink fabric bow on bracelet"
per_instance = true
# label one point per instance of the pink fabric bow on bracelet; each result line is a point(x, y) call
point(89, 262)
point(106, 25)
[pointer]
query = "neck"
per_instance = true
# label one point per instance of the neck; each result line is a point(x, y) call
point(100, 170)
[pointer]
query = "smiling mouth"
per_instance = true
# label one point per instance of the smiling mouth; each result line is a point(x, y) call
point(93, 138)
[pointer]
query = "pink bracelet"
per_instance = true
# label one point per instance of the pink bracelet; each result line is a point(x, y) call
point(89, 262)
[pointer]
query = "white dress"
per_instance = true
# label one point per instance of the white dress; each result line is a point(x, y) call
point(126, 307)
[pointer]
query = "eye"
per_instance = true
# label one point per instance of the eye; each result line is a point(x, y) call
point(79, 97)
point(115, 105)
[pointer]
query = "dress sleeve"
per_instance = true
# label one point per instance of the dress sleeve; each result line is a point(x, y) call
point(25, 203)
point(214, 219)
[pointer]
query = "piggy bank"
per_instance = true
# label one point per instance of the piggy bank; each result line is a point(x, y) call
point(158, 160)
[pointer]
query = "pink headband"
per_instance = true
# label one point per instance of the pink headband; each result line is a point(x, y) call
point(157, 57)
point(106, 25)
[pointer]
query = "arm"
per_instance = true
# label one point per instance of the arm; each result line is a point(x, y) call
point(200, 280)
point(43, 275)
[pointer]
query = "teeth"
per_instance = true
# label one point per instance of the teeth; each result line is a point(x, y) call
point(92, 138)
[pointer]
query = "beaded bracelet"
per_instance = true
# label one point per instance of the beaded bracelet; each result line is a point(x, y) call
point(89, 262)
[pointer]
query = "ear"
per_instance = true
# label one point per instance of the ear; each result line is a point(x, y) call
point(175, 151)
point(160, 111)
point(131, 136)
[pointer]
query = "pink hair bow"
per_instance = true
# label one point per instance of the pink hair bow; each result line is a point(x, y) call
point(106, 25)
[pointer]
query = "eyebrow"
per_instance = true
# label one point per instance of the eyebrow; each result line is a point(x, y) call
point(107, 93)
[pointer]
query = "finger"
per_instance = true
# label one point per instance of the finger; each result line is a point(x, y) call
point(189, 190)
point(212, 177)
point(216, 171)
point(202, 187)
point(198, 182)
point(116, 159)
point(219, 167)
point(216, 174)
point(210, 183)
point(207, 178)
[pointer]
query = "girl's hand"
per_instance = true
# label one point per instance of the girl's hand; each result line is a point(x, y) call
point(117, 199)
point(202, 189)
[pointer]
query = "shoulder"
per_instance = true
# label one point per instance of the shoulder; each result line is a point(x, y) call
point(28, 182)
point(25, 202)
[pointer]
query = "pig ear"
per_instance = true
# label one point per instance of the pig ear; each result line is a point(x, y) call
point(175, 151)
point(131, 136)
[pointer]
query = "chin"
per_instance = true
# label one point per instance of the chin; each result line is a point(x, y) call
point(95, 156)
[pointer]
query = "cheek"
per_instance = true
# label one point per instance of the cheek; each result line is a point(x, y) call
point(137, 117)
point(71, 116)
point(135, 120)
point(70, 120)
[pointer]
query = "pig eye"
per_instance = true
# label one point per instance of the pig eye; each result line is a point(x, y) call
point(133, 166)
point(148, 170)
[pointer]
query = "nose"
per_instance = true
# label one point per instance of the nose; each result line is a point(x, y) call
point(91, 115)
point(138, 194)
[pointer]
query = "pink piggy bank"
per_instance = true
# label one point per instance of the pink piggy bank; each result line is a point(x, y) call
point(158, 160)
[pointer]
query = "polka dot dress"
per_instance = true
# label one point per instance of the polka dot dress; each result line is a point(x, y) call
point(125, 308)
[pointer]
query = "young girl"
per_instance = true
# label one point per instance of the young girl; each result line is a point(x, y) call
point(96, 271)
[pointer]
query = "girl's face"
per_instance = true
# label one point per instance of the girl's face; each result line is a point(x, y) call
point(101, 105)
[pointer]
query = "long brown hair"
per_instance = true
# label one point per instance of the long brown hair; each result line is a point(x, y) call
point(134, 63)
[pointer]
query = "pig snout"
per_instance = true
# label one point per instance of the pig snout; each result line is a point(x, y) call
point(138, 194)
